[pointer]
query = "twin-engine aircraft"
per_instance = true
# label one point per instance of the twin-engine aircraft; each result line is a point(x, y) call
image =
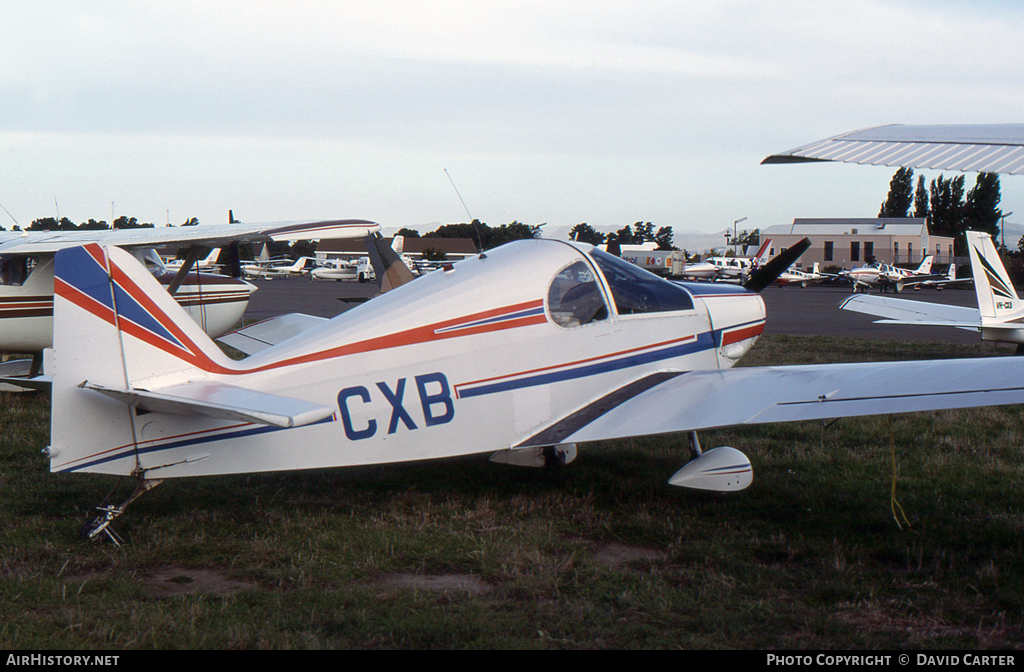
point(521, 352)
point(886, 276)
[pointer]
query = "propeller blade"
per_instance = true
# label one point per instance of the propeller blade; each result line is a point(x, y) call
point(767, 274)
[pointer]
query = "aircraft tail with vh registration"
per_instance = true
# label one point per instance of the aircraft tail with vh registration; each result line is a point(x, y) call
point(1002, 312)
point(124, 348)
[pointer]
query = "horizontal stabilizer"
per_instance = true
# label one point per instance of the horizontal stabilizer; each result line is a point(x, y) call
point(264, 334)
point(970, 326)
point(226, 402)
point(16, 383)
point(906, 311)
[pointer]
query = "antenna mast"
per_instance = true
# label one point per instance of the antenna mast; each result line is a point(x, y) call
point(10, 215)
point(479, 242)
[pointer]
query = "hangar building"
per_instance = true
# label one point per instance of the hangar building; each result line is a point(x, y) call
point(848, 243)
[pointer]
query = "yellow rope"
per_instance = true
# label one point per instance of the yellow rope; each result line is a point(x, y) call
point(894, 503)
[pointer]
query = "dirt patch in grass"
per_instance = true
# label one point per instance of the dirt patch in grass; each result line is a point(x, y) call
point(618, 555)
point(441, 583)
point(171, 581)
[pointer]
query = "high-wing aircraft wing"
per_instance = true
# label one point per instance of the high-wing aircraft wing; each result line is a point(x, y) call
point(37, 242)
point(992, 148)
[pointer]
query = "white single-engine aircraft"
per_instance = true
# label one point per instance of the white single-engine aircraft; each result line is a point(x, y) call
point(216, 302)
point(522, 352)
point(794, 276)
point(283, 268)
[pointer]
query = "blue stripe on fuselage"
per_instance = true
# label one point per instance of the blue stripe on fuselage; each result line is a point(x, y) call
point(704, 341)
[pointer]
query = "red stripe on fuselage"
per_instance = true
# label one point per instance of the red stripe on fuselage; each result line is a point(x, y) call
point(742, 334)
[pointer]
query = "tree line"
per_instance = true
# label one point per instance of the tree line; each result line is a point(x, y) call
point(944, 205)
point(635, 234)
point(65, 224)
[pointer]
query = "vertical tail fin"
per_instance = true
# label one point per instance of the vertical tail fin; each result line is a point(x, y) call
point(997, 297)
point(387, 266)
point(762, 252)
point(114, 325)
point(926, 266)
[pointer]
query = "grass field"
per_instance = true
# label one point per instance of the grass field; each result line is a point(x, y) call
point(600, 554)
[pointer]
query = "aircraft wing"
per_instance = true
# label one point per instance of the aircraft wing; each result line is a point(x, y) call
point(696, 400)
point(263, 334)
point(993, 148)
point(36, 242)
point(904, 311)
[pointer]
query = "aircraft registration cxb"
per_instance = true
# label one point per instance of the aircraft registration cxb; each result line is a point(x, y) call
point(523, 352)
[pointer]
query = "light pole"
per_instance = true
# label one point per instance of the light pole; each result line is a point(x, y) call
point(741, 219)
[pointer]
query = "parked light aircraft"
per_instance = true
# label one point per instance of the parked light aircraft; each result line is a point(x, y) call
point(369, 267)
point(794, 276)
point(27, 272)
point(522, 352)
point(280, 269)
point(336, 269)
point(886, 276)
point(207, 263)
point(728, 268)
point(999, 315)
point(950, 279)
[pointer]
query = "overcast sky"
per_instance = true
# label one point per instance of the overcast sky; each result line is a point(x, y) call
point(558, 112)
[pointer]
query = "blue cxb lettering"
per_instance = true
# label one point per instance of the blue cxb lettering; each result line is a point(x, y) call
point(435, 402)
point(398, 411)
point(346, 416)
point(443, 397)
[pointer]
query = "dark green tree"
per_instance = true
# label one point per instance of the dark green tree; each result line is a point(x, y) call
point(509, 232)
point(408, 233)
point(901, 194)
point(123, 222)
point(947, 204)
point(302, 248)
point(93, 225)
point(625, 236)
point(485, 236)
point(981, 209)
point(585, 233)
point(921, 199)
point(664, 238)
point(43, 224)
point(433, 254)
point(643, 232)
